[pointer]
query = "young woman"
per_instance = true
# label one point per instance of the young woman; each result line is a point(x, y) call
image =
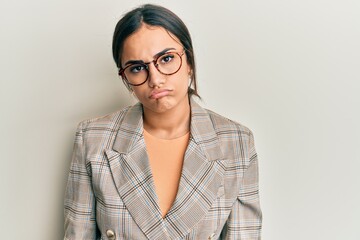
point(164, 168)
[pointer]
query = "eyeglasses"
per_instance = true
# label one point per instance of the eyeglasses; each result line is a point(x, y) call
point(137, 73)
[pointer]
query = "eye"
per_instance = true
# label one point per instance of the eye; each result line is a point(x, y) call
point(137, 68)
point(166, 58)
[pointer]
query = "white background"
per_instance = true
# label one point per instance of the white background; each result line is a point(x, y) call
point(289, 70)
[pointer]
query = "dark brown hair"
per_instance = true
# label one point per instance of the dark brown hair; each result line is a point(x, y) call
point(154, 15)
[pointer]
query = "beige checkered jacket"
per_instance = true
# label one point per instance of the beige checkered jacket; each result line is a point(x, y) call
point(110, 192)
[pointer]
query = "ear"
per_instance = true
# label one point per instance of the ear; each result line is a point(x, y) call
point(189, 70)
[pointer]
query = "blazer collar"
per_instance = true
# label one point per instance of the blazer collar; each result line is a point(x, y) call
point(201, 129)
point(130, 130)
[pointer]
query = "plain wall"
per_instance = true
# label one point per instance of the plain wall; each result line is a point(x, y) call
point(289, 70)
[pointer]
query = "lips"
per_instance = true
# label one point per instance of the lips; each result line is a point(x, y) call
point(156, 94)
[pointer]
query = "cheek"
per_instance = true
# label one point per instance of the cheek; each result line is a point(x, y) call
point(185, 73)
point(181, 80)
point(140, 92)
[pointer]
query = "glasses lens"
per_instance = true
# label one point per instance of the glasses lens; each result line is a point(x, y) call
point(169, 63)
point(136, 73)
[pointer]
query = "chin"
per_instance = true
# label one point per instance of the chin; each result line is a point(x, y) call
point(163, 105)
point(158, 105)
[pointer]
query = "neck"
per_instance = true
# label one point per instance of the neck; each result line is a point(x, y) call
point(170, 124)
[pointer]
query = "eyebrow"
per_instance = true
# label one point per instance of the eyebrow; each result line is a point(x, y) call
point(155, 56)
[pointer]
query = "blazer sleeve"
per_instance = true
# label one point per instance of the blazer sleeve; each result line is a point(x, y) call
point(245, 219)
point(79, 202)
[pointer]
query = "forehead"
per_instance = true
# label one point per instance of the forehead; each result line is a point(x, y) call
point(147, 41)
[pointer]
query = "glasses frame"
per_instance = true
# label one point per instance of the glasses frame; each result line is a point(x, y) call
point(146, 64)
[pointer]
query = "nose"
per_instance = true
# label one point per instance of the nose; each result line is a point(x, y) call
point(155, 78)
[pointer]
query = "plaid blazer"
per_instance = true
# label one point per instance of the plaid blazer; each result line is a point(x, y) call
point(110, 192)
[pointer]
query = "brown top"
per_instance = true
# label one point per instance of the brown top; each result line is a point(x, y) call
point(166, 160)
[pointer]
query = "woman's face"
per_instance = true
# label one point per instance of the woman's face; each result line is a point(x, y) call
point(160, 92)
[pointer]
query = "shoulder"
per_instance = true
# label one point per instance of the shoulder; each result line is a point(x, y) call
point(98, 133)
point(236, 139)
point(224, 125)
point(220, 124)
point(109, 122)
point(231, 134)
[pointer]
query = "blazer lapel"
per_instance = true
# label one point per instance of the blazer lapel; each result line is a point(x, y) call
point(131, 173)
point(201, 176)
